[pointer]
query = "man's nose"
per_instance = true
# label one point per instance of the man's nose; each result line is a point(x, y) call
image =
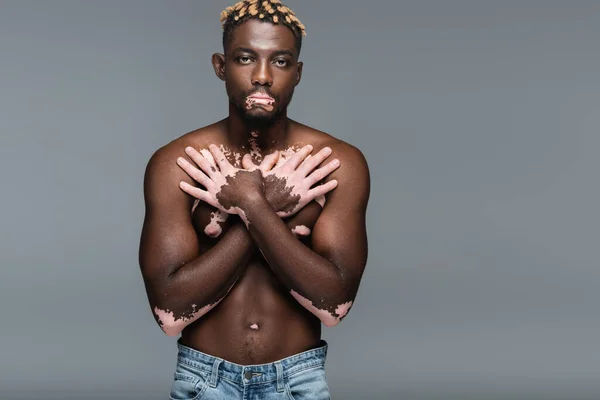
point(262, 74)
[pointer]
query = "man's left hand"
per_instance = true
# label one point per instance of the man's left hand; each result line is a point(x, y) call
point(225, 186)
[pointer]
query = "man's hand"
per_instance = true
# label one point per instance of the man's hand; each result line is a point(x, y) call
point(288, 186)
point(225, 187)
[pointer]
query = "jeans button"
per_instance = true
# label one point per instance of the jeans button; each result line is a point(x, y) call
point(248, 375)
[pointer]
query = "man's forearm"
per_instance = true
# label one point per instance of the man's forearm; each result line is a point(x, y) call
point(199, 285)
point(314, 281)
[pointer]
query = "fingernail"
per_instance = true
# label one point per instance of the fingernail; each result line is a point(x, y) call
point(328, 150)
point(336, 162)
point(188, 149)
point(179, 160)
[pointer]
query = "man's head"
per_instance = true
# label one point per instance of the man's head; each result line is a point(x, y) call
point(273, 11)
point(261, 43)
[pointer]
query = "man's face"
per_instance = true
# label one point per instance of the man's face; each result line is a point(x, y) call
point(261, 70)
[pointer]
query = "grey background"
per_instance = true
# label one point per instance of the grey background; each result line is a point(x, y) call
point(479, 120)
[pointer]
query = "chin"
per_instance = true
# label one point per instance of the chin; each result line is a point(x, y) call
point(259, 118)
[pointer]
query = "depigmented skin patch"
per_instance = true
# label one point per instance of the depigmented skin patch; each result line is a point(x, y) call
point(234, 157)
point(255, 152)
point(301, 230)
point(266, 103)
point(243, 216)
point(172, 324)
point(329, 318)
point(196, 202)
point(214, 228)
point(286, 154)
point(208, 155)
point(327, 312)
point(321, 200)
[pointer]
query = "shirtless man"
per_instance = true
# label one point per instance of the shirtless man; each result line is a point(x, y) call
point(254, 232)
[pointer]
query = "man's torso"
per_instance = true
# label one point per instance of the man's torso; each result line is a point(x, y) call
point(258, 321)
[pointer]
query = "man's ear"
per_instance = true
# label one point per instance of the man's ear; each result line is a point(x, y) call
point(299, 72)
point(218, 62)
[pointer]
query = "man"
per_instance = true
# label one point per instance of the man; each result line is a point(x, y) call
point(254, 232)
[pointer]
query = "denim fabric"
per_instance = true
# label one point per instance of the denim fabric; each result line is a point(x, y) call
point(298, 377)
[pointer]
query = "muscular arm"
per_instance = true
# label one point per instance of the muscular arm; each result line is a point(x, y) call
point(181, 283)
point(323, 279)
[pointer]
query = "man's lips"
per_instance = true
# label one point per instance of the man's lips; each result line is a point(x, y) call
point(261, 96)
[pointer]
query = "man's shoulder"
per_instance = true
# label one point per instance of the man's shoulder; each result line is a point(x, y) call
point(163, 159)
point(320, 139)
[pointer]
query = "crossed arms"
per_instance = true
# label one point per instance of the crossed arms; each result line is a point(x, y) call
point(183, 283)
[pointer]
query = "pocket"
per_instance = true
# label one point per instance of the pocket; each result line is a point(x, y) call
point(188, 386)
point(308, 384)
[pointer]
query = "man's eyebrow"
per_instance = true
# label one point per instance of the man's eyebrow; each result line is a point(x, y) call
point(275, 53)
point(283, 53)
point(244, 50)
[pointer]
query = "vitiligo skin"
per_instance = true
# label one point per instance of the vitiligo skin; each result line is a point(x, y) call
point(321, 200)
point(328, 317)
point(329, 314)
point(254, 149)
point(266, 103)
point(301, 230)
point(172, 324)
point(214, 229)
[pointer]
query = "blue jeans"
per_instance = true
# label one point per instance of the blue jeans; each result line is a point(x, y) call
point(202, 376)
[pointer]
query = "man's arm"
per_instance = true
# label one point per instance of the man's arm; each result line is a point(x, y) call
point(324, 280)
point(181, 283)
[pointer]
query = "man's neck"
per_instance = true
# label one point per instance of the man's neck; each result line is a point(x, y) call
point(265, 137)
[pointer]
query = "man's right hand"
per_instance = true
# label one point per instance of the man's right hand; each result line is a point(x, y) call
point(225, 187)
point(288, 187)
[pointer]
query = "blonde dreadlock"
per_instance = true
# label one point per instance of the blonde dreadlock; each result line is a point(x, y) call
point(273, 11)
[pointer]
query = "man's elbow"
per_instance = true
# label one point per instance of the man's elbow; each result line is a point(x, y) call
point(332, 319)
point(172, 329)
point(168, 323)
point(330, 322)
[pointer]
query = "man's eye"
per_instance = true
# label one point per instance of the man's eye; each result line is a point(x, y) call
point(244, 60)
point(281, 63)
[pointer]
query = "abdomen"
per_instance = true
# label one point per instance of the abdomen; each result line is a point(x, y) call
point(258, 322)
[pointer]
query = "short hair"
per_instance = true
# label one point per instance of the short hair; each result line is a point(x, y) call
point(273, 11)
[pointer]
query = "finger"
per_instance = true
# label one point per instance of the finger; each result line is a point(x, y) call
point(193, 172)
point(220, 158)
point(301, 230)
point(322, 189)
point(209, 157)
point(297, 158)
point(318, 158)
point(320, 200)
point(247, 163)
point(306, 160)
point(323, 171)
point(201, 161)
point(269, 161)
point(194, 191)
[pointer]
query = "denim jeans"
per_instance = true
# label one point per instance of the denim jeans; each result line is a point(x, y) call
point(298, 377)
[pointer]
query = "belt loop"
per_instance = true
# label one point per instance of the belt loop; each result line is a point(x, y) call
point(279, 368)
point(215, 373)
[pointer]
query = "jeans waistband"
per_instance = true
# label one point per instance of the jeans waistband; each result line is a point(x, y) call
point(215, 367)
